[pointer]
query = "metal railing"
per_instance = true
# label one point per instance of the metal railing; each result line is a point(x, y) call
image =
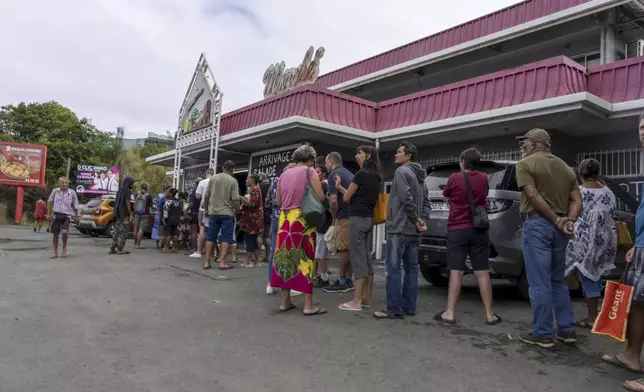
point(617, 163)
point(509, 155)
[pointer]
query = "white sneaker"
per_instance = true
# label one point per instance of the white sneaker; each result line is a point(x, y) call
point(270, 290)
point(195, 255)
point(295, 293)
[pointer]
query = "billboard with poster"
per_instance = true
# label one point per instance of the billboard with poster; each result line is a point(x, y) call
point(22, 164)
point(97, 180)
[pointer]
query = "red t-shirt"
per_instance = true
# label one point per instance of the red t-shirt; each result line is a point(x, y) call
point(460, 212)
point(41, 209)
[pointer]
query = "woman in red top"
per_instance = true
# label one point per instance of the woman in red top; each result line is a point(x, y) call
point(464, 239)
point(40, 214)
point(252, 220)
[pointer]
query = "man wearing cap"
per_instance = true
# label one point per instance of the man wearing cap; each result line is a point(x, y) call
point(550, 204)
point(220, 200)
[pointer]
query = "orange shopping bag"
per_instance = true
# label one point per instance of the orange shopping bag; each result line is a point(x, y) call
point(613, 317)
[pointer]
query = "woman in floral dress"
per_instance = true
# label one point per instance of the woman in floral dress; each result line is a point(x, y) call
point(592, 251)
point(252, 220)
point(293, 262)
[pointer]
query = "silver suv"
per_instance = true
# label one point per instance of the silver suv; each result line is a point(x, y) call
point(506, 256)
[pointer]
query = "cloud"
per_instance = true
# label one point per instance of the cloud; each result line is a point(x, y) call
point(124, 62)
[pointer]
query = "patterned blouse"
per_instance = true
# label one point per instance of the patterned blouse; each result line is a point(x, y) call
point(270, 200)
point(592, 250)
point(252, 219)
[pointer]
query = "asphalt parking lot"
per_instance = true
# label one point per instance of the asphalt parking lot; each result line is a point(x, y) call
point(158, 322)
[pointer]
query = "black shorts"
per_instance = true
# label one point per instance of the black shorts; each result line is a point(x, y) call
point(170, 231)
point(60, 223)
point(267, 231)
point(468, 242)
point(251, 242)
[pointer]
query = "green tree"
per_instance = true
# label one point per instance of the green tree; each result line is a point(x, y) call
point(64, 134)
point(135, 166)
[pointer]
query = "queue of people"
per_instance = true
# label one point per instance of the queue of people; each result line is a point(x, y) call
point(566, 229)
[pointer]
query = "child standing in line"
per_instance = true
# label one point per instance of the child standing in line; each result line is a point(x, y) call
point(171, 220)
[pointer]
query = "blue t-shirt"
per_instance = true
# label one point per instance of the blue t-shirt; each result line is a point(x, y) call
point(639, 222)
point(345, 179)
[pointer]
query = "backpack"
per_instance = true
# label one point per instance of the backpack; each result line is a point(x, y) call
point(140, 204)
point(172, 212)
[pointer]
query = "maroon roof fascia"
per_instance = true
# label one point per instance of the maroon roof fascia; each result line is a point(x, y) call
point(620, 81)
point(306, 101)
point(511, 16)
point(528, 83)
point(536, 81)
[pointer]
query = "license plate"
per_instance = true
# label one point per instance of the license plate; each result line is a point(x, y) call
point(440, 207)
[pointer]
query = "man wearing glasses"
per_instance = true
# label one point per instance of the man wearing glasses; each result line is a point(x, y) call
point(550, 204)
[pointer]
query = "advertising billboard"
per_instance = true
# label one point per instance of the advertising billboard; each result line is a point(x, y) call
point(97, 180)
point(22, 164)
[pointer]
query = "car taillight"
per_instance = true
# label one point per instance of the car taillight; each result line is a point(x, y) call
point(497, 205)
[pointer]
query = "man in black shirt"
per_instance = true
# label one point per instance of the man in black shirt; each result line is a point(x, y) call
point(123, 215)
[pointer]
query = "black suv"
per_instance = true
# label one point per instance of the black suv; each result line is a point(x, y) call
point(506, 256)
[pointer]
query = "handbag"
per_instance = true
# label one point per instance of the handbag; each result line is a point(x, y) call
point(312, 209)
point(380, 209)
point(624, 239)
point(613, 317)
point(479, 213)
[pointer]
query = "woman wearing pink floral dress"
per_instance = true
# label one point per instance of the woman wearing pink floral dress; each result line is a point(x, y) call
point(293, 262)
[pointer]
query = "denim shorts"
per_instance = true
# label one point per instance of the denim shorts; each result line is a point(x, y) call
point(224, 223)
point(590, 288)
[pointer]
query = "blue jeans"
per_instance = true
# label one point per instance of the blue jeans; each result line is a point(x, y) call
point(402, 249)
point(544, 255)
point(273, 242)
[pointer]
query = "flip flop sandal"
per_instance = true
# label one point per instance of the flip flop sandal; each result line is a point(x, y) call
point(584, 323)
point(410, 313)
point(111, 252)
point(291, 307)
point(387, 315)
point(247, 265)
point(615, 361)
point(317, 311)
point(226, 267)
point(345, 306)
point(494, 322)
point(628, 385)
point(53, 256)
point(207, 266)
point(366, 306)
point(123, 252)
point(439, 317)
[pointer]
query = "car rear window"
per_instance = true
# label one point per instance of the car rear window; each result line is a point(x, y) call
point(93, 203)
point(500, 177)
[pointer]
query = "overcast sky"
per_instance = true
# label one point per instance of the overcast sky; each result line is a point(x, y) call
point(128, 62)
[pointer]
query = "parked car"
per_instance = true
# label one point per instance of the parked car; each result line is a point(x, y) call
point(506, 256)
point(97, 218)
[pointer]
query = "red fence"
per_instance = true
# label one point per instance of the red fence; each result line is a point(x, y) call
point(511, 16)
point(619, 81)
point(531, 82)
point(308, 101)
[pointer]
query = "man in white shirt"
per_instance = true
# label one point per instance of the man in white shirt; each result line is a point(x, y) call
point(112, 182)
point(199, 195)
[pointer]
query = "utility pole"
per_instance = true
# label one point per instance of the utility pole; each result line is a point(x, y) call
point(69, 166)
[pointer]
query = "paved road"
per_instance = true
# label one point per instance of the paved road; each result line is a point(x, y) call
point(152, 322)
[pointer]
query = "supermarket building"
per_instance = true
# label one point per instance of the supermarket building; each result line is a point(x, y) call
point(573, 67)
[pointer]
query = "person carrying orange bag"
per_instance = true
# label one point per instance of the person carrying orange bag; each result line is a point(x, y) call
point(629, 359)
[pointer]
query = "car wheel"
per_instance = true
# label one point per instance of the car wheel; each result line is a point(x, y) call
point(110, 229)
point(524, 287)
point(434, 275)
